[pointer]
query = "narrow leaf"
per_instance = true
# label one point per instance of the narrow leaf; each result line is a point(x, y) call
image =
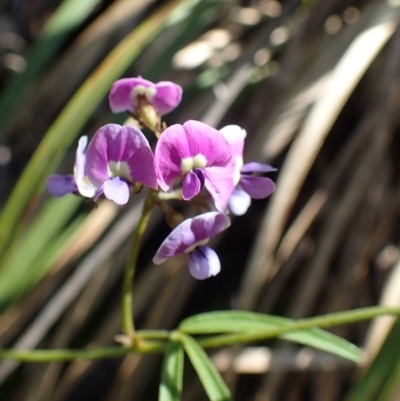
point(212, 381)
point(243, 322)
point(172, 373)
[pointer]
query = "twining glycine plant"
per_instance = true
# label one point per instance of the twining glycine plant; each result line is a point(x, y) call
point(197, 164)
point(192, 162)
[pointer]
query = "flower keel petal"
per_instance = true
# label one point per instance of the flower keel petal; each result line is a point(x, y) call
point(204, 263)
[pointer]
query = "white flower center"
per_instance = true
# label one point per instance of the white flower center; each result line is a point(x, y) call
point(119, 169)
point(140, 90)
point(194, 246)
point(190, 163)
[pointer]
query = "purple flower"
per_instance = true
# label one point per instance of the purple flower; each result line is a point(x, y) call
point(129, 93)
point(249, 185)
point(118, 159)
point(190, 237)
point(60, 185)
point(192, 153)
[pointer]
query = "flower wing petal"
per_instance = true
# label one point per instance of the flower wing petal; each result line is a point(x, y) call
point(177, 242)
point(59, 185)
point(189, 233)
point(207, 225)
point(191, 186)
point(257, 187)
point(255, 167)
point(116, 190)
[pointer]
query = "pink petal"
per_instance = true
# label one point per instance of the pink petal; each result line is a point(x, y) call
point(220, 184)
point(193, 138)
point(168, 96)
point(120, 94)
point(120, 144)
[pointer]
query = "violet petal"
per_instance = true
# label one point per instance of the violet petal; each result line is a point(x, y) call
point(190, 233)
point(257, 187)
point(116, 190)
point(59, 185)
point(204, 263)
point(191, 186)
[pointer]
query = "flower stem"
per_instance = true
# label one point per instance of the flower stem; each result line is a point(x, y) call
point(329, 320)
point(127, 291)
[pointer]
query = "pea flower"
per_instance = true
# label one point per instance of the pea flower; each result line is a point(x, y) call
point(118, 161)
point(190, 152)
point(248, 184)
point(190, 237)
point(129, 93)
point(60, 185)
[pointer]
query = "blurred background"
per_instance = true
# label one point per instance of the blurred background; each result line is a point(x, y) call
point(316, 84)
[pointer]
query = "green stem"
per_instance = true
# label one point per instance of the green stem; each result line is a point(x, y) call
point(330, 320)
point(127, 291)
point(145, 345)
point(60, 355)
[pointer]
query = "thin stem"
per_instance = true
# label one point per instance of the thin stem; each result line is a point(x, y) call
point(330, 320)
point(62, 354)
point(127, 291)
point(145, 345)
point(59, 355)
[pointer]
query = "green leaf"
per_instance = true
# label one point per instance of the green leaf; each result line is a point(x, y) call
point(172, 373)
point(249, 322)
point(212, 381)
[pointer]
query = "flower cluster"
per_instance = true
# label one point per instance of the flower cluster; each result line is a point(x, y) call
point(193, 161)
